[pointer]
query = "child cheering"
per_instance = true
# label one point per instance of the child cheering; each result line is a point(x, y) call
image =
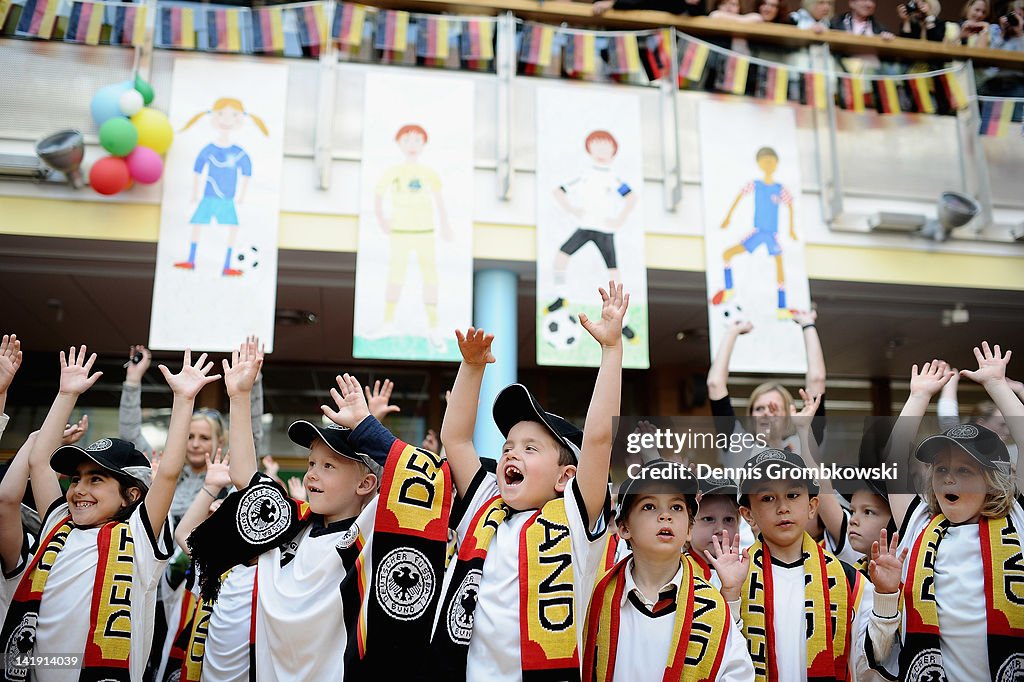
point(92, 585)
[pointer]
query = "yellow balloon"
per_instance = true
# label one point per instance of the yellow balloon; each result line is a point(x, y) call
point(155, 130)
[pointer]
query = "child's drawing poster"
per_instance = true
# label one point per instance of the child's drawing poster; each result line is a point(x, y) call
point(414, 271)
point(589, 221)
point(754, 251)
point(216, 266)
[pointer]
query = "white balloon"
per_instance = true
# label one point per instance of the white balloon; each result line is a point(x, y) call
point(131, 102)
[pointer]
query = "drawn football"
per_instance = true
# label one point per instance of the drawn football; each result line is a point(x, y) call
point(731, 311)
point(247, 258)
point(561, 329)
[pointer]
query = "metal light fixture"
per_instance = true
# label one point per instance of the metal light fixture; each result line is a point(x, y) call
point(63, 151)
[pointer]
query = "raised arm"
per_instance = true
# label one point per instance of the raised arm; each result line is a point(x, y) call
point(129, 412)
point(378, 400)
point(991, 374)
point(815, 379)
point(10, 361)
point(460, 417)
point(829, 509)
point(185, 385)
point(948, 407)
point(218, 477)
point(74, 381)
point(239, 377)
point(595, 459)
point(12, 491)
point(718, 374)
point(923, 385)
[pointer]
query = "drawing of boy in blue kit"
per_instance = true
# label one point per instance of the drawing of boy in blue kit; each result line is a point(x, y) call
point(768, 195)
point(228, 169)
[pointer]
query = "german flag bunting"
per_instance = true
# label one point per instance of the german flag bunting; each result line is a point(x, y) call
point(853, 94)
point(921, 92)
point(887, 98)
point(694, 61)
point(432, 40)
point(954, 91)
point(623, 54)
point(349, 23)
point(537, 45)
point(268, 30)
point(736, 70)
point(38, 18)
point(815, 92)
point(776, 85)
point(5, 8)
point(477, 41)
point(656, 54)
point(392, 34)
point(996, 117)
point(84, 23)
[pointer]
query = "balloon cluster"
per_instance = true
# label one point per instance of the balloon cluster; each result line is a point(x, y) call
point(134, 134)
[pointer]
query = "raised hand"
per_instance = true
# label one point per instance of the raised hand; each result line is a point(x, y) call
point(991, 365)
point(136, 371)
point(378, 400)
point(74, 432)
point(270, 466)
point(886, 567)
point(802, 419)
point(475, 346)
point(805, 317)
point(930, 380)
point(608, 330)
point(296, 488)
point(240, 374)
point(190, 380)
point(350, 401)
point(10, 360)
point(731, 564)
point(218, 475)
point(74, 372)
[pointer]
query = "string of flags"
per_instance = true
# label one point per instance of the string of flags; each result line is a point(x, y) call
point(305, 28)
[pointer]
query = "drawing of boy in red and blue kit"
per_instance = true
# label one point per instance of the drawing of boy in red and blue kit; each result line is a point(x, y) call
point(768, 195)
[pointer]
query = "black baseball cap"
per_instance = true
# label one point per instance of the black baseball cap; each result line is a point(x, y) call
point(658, 476)
point(113, 454)
point(516, 404)
point(980, 443)
point(303, 433)
point(769, 457)
point(711, 485)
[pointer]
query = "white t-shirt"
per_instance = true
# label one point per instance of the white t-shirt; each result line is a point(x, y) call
point(494, 650)
point(63, 624)
point(959, 591)
point(645, 640)
point(300, 625)
point(226, 656)
point(11, 579)
point(599, 193)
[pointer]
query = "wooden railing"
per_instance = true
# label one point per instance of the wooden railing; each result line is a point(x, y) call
point(579, 14)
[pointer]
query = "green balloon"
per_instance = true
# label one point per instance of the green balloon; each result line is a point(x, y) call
point(145, 89)
point(118, 136)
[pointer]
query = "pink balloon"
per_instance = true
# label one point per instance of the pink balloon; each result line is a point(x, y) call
point(145, 165)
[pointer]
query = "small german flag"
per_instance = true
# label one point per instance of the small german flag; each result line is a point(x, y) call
point(853, 94)
point(921, 91)
point(815, 92)
point(954, 91)
point(776, 85)
point(694, 61)
point(887, 97)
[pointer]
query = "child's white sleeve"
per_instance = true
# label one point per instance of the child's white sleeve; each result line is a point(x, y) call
point(878, 636)
point(736, 664)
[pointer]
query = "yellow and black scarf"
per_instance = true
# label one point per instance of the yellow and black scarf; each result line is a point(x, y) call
point(829, 602)
point(108, 643)
point(410, 545)
point(189, 646)
point(701, 626)
point(1004, 601)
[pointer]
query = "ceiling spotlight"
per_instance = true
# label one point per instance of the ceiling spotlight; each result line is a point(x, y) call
point(64, 151)
point(954, 210)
